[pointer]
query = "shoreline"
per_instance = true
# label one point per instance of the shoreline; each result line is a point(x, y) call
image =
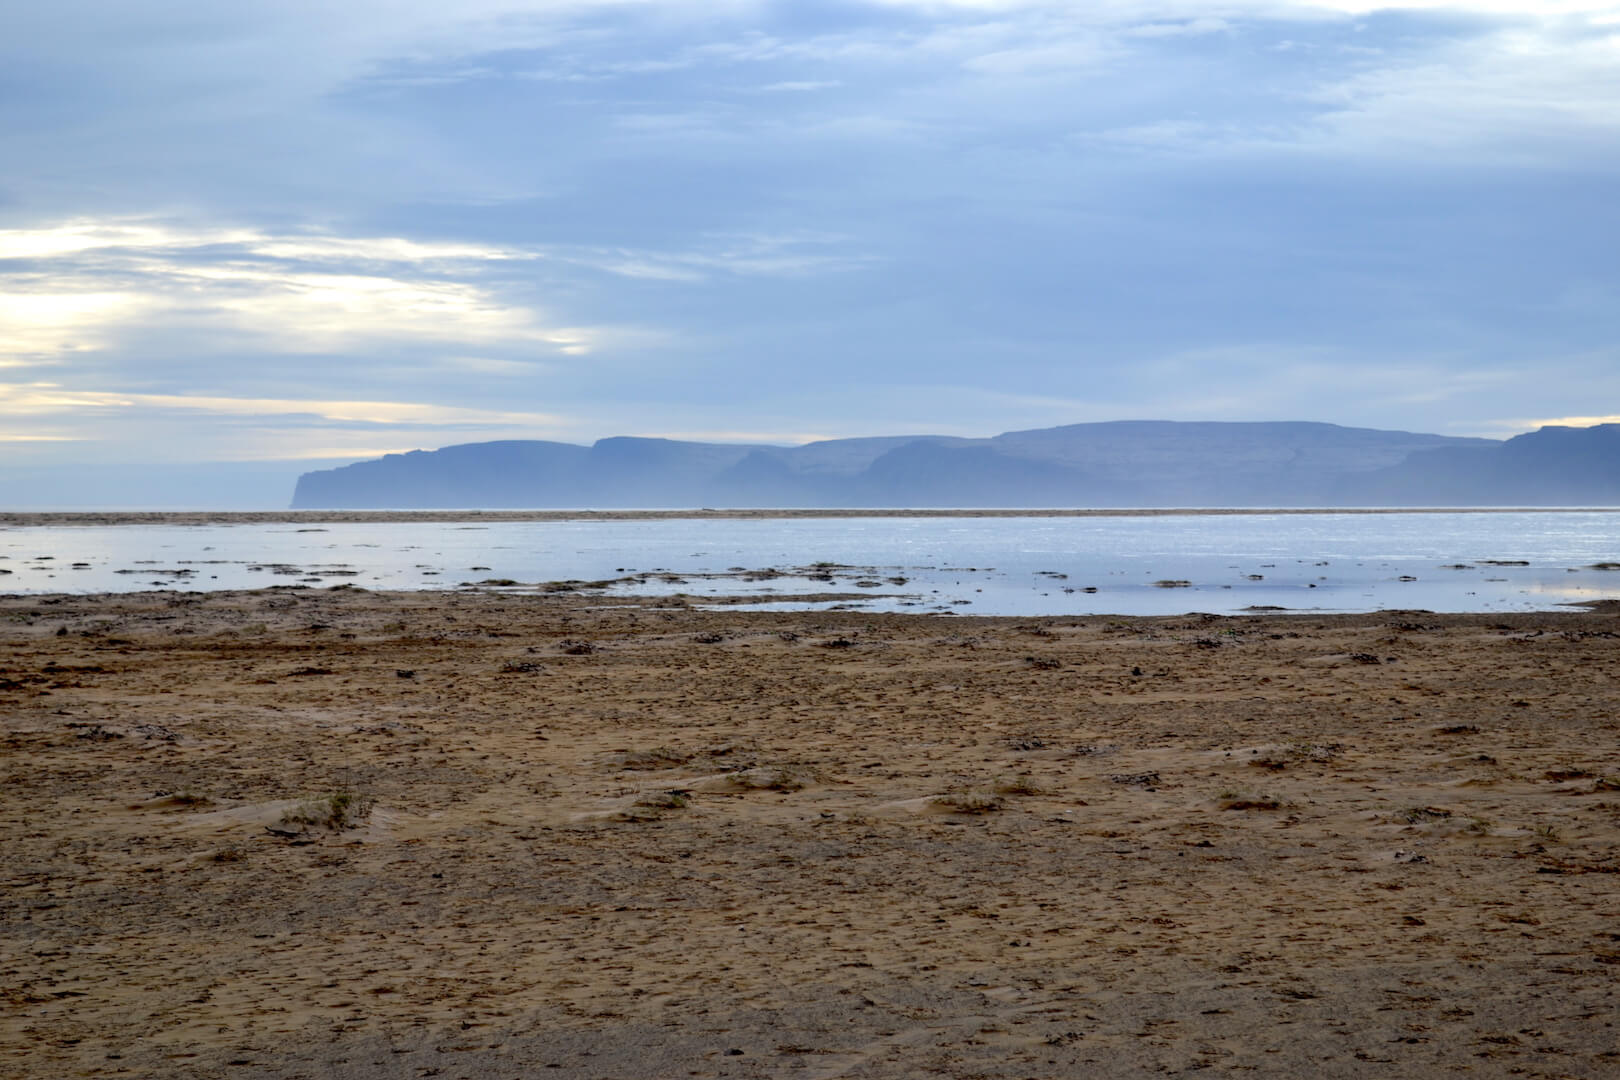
point(69, 518)
point(547, 597)
point(583, 596)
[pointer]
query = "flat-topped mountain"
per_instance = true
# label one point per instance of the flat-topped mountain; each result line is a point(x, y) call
point(1124, 464)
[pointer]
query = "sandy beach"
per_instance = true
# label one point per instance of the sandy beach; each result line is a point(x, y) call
point(334, 833)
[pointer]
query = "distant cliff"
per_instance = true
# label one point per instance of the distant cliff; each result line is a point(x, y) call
point(1126, 463)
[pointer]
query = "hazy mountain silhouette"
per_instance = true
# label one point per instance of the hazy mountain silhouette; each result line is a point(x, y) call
point(1126, 463)
point(1553, 466)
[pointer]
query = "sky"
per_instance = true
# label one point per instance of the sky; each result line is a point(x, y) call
point(299, 232)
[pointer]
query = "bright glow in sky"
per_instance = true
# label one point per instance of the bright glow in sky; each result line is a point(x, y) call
point(291, 230)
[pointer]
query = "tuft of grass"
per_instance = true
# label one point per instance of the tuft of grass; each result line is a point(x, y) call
point(1021, 784)
point(665, 800)
point(337, 811)
point(969, 802)
point(659, 757)
point(1422, 815)
point(653, 805)
point(782, 778)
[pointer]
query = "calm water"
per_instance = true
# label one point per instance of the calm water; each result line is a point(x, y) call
point(1014, 566)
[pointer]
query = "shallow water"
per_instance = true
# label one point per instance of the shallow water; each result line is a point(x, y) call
point(979, 565)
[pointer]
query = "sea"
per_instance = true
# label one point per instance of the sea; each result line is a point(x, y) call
point(1169, 563)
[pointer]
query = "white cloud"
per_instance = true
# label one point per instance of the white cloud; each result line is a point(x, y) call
point(43, 322)
point(89, 282)
point(321, 312)
point(75, 237)
point(1528, 8)
point(1512, 92)
point(801, 86)
point(1565, 421)
point(297, 451)
point(52, 399)
point(1036, 58)
point(1237, 9)
point(492, 365)
point(290, 293)
point(87, 235)
point(40, 326)
point(769, 438)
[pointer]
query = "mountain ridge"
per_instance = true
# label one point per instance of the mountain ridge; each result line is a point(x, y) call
point(1129, 463)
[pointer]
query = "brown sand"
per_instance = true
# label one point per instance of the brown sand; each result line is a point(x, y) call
point(621, 841)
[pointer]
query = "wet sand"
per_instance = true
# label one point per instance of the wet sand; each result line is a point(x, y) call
point(591, 839)
point(25, 519)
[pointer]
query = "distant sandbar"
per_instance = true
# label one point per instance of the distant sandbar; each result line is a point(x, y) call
point(372, 517)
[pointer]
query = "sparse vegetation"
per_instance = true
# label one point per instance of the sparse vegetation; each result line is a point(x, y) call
point(1298, 753)
point(651, 805)
point(665, 800)
point(1422, 815)
point(773, 778)
point(185, 798)
point(337, 811)
point(659, 757)
point(969, 802)
point(1022, 784)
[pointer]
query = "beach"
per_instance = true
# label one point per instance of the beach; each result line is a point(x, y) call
point(332, 832)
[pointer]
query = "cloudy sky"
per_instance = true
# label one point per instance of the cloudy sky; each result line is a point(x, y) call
point(291, 229)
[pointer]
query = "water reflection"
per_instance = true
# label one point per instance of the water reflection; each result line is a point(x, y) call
point(1017, 566)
